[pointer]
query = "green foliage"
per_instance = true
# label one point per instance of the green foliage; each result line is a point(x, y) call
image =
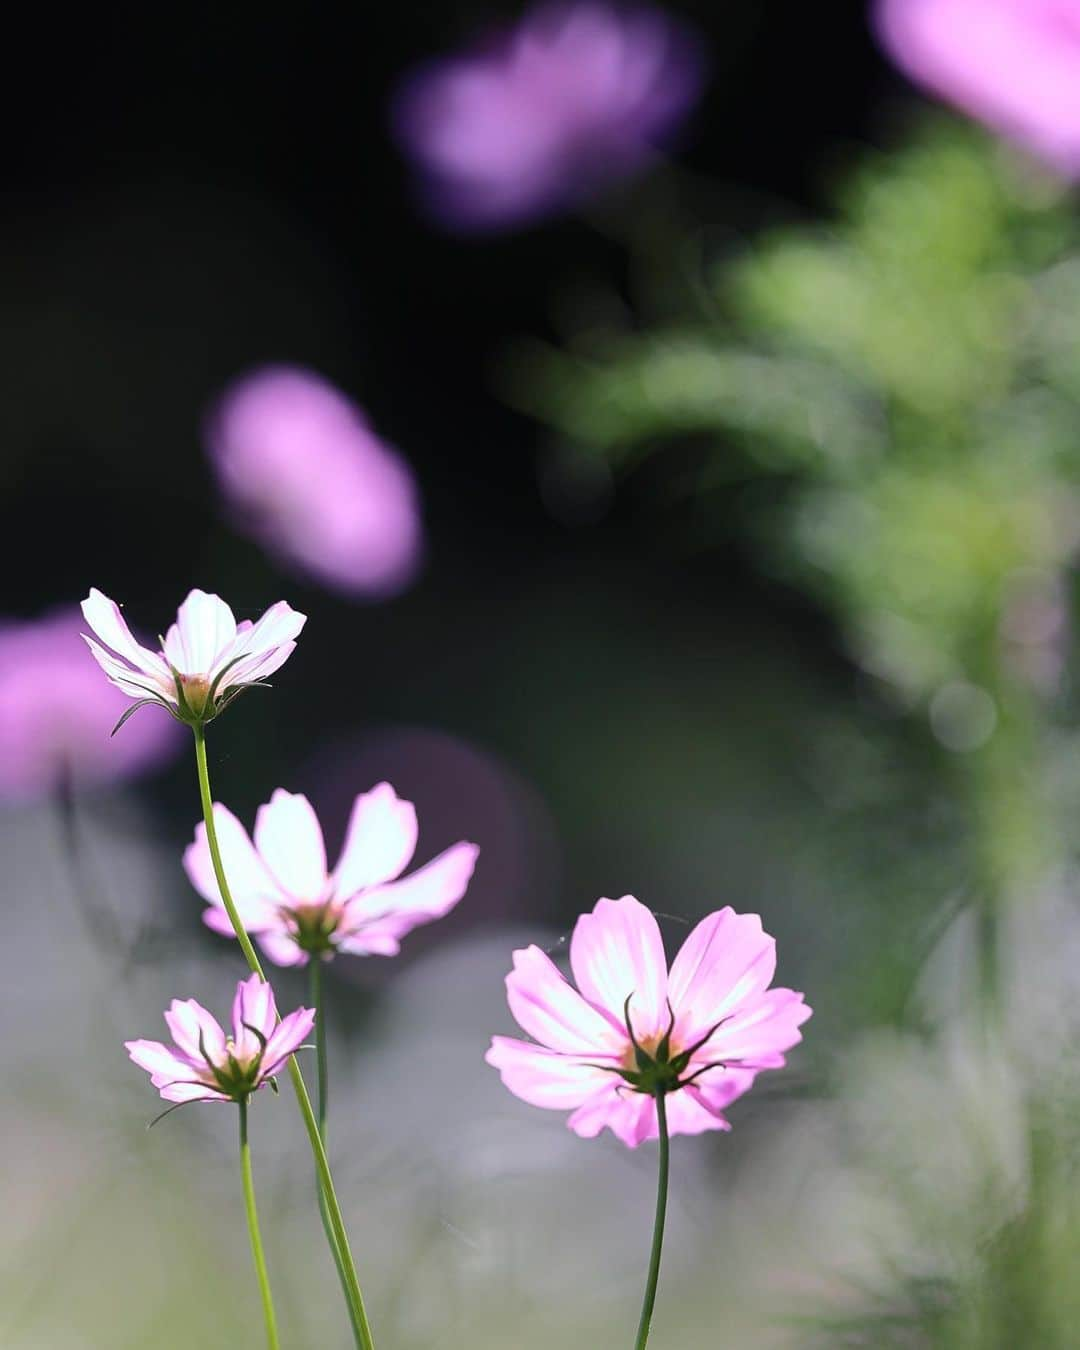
point(913, 370)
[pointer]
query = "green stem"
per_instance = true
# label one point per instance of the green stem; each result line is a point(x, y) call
point(253, 1229)
point(658, 1228)
point(340, 1244)
point(316, 988)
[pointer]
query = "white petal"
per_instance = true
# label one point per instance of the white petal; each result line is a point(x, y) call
point(256, 894)
point(136, 683)
point(290, 843)
point(381, 839)
point(206, 627)
point(104, 617)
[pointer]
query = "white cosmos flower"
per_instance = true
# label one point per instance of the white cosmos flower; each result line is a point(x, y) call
point(205, 660)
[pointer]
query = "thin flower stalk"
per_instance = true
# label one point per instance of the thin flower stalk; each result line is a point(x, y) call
point(257, 1254)
point(321, 1099)
point(649, 1300)
point(340, 1245)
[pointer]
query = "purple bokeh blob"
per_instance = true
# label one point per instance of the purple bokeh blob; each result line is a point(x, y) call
point(305, 474)
point(57, 712)
point(542, 115)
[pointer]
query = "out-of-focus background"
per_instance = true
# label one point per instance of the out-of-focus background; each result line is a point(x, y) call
point(669, 420)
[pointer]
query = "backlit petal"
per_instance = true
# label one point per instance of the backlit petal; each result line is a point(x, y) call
point(617, 951)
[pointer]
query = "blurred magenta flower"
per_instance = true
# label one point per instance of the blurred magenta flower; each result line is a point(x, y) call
point(1013, 64)
point(56, 713)
point(206, 1065)
point(296, 909)
point(544, 114)
point(632, 1031)
point(206, 659)
point(312, 482)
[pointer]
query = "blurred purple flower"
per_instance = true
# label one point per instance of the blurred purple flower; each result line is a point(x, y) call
point(56, 713)
point(1013, 64)
point(312, 482)
point(574, 97)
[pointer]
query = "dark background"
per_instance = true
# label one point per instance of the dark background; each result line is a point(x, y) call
point(188, 194)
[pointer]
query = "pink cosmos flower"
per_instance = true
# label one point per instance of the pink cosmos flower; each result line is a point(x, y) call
point(309, 478)
point(574, 97)
point(631, 1030)
point(205, 660)
point(56, 713)
point(295, 908)
point(1013, 64)
point(206, 1065)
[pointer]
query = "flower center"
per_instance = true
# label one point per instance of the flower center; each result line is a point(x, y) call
point(313, 925)
point(196, 692)
point(235, 1077)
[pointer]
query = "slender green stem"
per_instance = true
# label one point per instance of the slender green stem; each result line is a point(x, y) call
point(253, 1229)
point(321, 1098)
point(658, 1228)
point(340, 1243)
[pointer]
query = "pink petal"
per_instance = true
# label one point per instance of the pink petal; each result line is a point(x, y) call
point(191, 1092)
point(717, 1089)
point(187, 1020)
point(544, 1077)
point(205, 626)
point(725, 960)
point(552, 1011)
point(760, 1031)
point(686, 1114)
point(253, 890)
point(104, 617)
point(617, 951)
point(290, 843)
point(380, 841)
point(631, 1116)
point(370, 942)
point(253, 1007)
point(289, 1036)
point(161, 1062)
point(282, 949)
point(426, 894)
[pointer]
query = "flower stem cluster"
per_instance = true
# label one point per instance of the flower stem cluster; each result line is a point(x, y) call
point(656, 1070)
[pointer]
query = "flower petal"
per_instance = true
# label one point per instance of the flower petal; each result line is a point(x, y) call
point(687, 1114)
point(205, 627)
point(191, 1092)
point(761, 1031)
point(104, 617)
point(552, 1011)
point(251, 668)
point(617, 951)
point(544, 1077)
point(160, 1061)
point(280, 947)
point(139, 684)
point(428, 893)
point(289, 1036)
point(187, 1022)
point(253, 1011)
point(258, 642)
point(726, 959)
point(370, 941)
point(290, 843)
point(379, 843)
point(631, 1116)
point(716, 1090)
point(254, 891)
